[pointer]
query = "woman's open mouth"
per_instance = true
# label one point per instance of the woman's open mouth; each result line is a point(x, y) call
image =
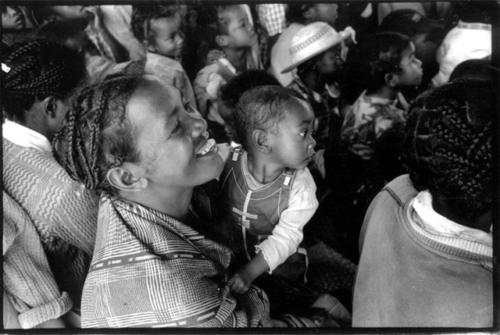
point(208, 147)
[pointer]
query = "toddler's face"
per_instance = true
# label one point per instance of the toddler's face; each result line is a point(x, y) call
point(13, 18)
point(411, 67)
point(168, 39)
point(240, 30)
point(292, 143)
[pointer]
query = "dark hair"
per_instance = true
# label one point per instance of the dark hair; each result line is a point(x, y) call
point(59, 31)
point(473, 69)
point(98, 135)
point(476, 11)
point(448, 148)
point(410, 22)
point(368, 63)
point(231, 92)
point(142, 16)
point(38, 69)
point(295, 12)
point(262, 107)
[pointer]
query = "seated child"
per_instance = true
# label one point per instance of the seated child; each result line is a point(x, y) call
point(384, 64)
point(266, 193)
point(235, 37)
point(16, 24)
point(158, 28)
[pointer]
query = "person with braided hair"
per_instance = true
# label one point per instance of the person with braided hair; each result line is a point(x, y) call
point(38, 78)
point(131, 138)
point(426, 243)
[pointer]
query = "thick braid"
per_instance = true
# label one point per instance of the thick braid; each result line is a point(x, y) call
point(90, 143)
point(448, 148)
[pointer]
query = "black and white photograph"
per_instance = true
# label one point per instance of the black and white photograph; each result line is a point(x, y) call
point(302, 166)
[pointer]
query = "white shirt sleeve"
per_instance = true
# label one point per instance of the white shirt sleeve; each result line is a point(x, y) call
point(287, 234)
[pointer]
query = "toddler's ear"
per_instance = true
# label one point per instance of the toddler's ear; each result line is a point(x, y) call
point(260, 140)
point(391, 80)
point(222, 40)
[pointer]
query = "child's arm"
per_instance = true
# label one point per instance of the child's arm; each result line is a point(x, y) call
point(240, 282)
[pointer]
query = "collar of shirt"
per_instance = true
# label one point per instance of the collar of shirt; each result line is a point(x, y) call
point(441, 227)
point(25, 137)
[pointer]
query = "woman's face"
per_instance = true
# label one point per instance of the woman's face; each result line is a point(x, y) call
point(173, 144)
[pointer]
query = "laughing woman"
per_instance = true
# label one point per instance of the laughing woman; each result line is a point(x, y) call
point(131, 138)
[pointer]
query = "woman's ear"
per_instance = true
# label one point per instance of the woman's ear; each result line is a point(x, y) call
point(260, 140)
point(50, 107)
point(391, 80)
point(125, 179)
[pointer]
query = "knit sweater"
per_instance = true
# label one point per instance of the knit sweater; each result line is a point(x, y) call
point(63, 212)
point(28, 282)
point(416, 272)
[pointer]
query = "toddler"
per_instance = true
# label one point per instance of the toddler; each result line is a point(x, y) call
point(266, 193)
point(158, 28)
point(236, 37)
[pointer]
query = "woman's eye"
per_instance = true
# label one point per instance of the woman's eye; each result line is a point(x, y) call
point(304, 133)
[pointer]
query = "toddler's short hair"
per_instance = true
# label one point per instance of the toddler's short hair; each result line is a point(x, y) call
point(262, 108)
point(142, 16)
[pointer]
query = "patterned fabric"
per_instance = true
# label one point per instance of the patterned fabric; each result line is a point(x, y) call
point(369, 118)
point(326, 111)
point(172, 73)
point(28, 282)
point(150, 270)
point(63, 212)
point(272, 17)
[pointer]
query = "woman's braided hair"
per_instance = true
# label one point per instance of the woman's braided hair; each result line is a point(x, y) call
point(35, 70)
point(98, 135)
point(448, 148)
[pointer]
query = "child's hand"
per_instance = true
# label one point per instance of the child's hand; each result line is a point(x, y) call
point(239, 283)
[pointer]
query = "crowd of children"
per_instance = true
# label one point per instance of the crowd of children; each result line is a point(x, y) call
point(306, 103)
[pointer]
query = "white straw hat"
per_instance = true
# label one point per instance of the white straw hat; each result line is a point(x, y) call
point(312, 40)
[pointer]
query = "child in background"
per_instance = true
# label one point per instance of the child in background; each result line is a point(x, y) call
point(16, 24)
point(380, 68)
point(235, 37)
point(267, 194)
point(158, 28)
point(231, 92)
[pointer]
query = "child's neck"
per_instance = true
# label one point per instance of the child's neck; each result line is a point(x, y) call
point(385, 92)
point(261, 169)
point(237, 57)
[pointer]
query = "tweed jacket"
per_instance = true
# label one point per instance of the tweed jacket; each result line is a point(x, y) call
point(150, 270)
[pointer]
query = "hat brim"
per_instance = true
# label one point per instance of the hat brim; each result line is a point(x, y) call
point(326, 47)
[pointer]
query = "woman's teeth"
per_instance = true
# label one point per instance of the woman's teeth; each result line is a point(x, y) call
point(209, 146)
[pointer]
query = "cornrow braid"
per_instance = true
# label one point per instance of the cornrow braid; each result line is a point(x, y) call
point(448, 148)
point(97, 134)
point(38, 69)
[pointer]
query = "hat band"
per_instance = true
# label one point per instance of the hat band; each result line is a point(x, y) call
point(306, 43)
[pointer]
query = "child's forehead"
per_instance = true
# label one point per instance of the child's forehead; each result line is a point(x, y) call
point(166, 23)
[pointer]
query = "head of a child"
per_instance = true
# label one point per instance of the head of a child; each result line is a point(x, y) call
point(158, 28)
point(70, 33)
point(449, 148)
point(39, 77)
point(276, 124)
point(305, 13)
point(13, 18)
point(426, 34)
point(234, 29)
point(230, 93)
point(384, 60)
